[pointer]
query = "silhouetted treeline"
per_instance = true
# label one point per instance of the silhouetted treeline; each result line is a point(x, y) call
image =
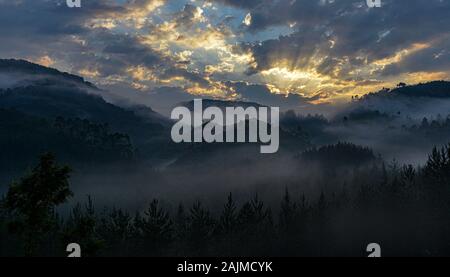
point(401, 207)
point(340, 154)
point(432, 125)
point(23, 137)
point(434, 89)
point(96, 136)
point(25, 67)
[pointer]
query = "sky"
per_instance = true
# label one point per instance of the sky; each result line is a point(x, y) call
point(275, 52)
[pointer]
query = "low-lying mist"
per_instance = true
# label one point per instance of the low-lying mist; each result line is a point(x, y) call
point(242, 171)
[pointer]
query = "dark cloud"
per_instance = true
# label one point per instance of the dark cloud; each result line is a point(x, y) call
point(34, 28)
point(333, 37)
point(245, 4)
point(433, 59)
point(261, 94)
point(129, 47)
point(48, 18)
point(343, 31)
point(124, 51)
point(110, 53)
point(187, 17)
point(296, 50)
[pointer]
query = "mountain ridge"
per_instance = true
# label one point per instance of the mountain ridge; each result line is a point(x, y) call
point(432, 89)
point(30, 68)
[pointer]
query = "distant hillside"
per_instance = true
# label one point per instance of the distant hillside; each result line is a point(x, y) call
point(86, 121)
point(405, 101)
point(222, 104)
point(340, 154)
point(26, 69)
point(46, 94)
point(51, 102)
point(435, 89)
point(24, 137)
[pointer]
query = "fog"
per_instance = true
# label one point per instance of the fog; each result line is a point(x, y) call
point(239, 170)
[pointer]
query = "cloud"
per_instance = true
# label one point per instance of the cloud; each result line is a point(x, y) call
point(262, 94)
point(315, 50)
point(339, 43)
point(75, 44)
point(431, 59)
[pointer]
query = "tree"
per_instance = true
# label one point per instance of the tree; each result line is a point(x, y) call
point(425, 124)
point(437, 168)
point(33, 200)
point(288, 213)
point(256, 227)
point(201, 226)
point(227, 226)
point(181, 223)
point(81, 227)
point(155, 227)
point(254, 215)
point(228, 218)
point(117, 228)
point(180, 229)
point(408, 175)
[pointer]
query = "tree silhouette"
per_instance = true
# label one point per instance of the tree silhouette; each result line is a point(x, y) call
point(255, 226)
point(34, 198)
point(201, 227)
point(117, 228)
point(228, 218)
point(436, 185)
point(155, 228)
point(408, 175)
point(414, 201)
point(81, 227)
point(228, 223)
point(288, 213)
point(425, 124)
point(181, 229)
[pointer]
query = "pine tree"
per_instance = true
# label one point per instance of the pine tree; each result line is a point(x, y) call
point(81, 228)
point(437, 168)
point(288, 213)
point(425, 124)
point(117, 229)
point(155, 228)
point(227, 226)
point(201, 227)
point(180, 230)
point(228, 218)
point(181, 223)
point(262, 214)
point(408, 175)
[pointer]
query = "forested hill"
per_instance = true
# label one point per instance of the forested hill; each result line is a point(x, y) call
point(406, 101)
point(44, 109)
point(435, 89)
point(24, 137)
point(27, 69)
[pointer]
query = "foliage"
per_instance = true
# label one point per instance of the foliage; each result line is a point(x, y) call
point(397, 206)
point(32, 201)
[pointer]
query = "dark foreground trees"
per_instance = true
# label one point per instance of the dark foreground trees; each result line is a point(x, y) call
point(402, 208)
point(31, 202)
